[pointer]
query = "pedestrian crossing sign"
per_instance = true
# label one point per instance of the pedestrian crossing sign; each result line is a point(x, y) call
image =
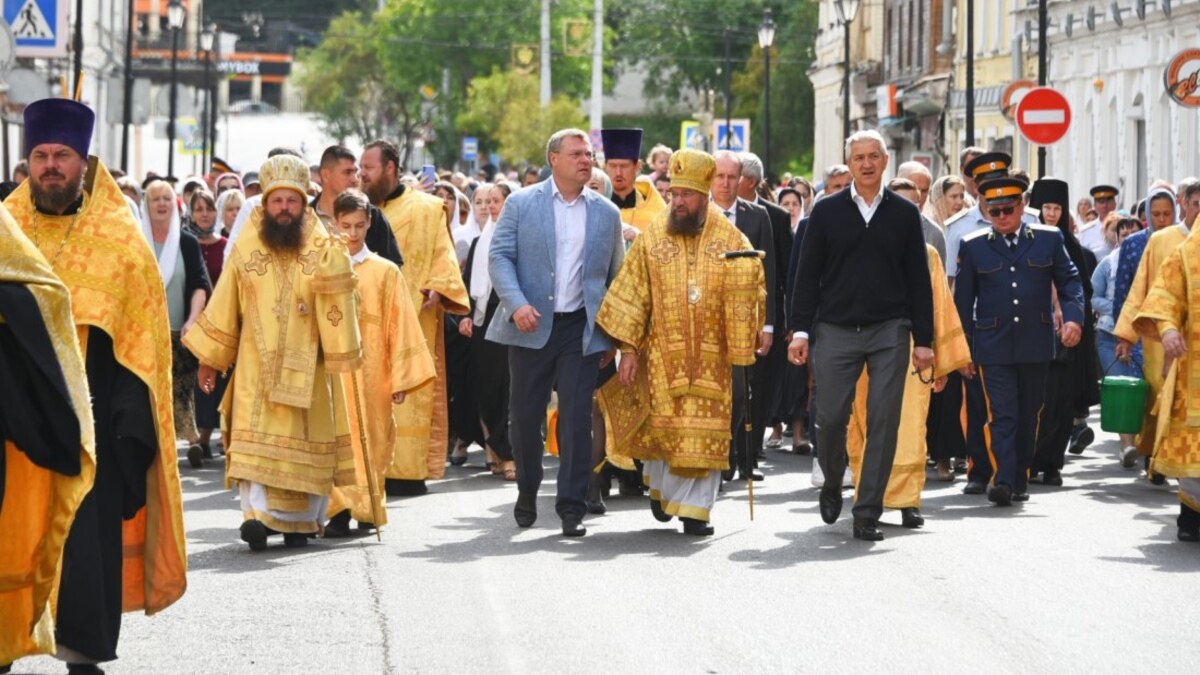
point(691, 136)
point(738, 140)
point(39, 27)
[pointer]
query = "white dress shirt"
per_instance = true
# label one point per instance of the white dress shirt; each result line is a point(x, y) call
point(867, 210)
point(570, 229)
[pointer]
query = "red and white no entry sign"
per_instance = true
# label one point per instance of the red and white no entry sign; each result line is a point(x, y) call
point(1043, 116)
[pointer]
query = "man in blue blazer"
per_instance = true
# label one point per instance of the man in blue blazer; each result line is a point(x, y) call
point(555, 250)
point(1003, 293)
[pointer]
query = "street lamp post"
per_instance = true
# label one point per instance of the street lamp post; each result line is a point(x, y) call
point(728, 97)
point(127, 103)
point(766, 37)
point(207, 37)
point(175, 21)
point(846, 11)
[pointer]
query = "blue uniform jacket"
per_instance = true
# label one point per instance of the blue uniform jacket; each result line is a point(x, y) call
point(1003, 294)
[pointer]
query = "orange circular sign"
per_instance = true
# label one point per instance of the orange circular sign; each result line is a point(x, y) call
point(1182, 78)
point(1013, 94)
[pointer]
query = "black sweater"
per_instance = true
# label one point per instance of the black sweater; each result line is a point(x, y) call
point(854, 275)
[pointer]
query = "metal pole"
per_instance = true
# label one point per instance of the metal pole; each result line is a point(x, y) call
point(206, 152)
point(597, 107)
point(767, 114)
point(174, 95)
point(214, 95)
point(970, 72)
point(78, 47)
point(127, 104)
point(545, 90)
point(846, 81)
point(728, 96)
point(1043, 55)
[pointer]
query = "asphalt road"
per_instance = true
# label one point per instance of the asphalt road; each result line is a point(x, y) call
point(1084, 578)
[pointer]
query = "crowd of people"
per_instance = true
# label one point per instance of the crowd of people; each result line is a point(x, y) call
point(341, 332)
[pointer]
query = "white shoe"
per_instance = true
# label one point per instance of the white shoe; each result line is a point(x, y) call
point(1129, 457)
point(818, 476)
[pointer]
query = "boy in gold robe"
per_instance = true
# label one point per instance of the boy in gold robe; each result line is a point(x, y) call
point(435, 287)
point(950, 352)
point(1169, 317)
point(284, 310)
point(125, 549)
point(684, 314)
point(395, 361)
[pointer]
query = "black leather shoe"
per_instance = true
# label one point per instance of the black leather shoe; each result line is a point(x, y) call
point(627, 488)
point(364, 526)
point(1081, 439)
point(5, 669)
point(802, 448)
point(975, 487)
point(657, 509)
point(1000, 495)
point(395, 487)
point(596, 508)
point(757, 476)
point(911, 518)
point(338, 526)
point(84, 669)
point(1188, 535)
point(525, 511)
point(697, 528)
point(195, 456)
point(867, 529)
point(831, 504)
point(1052, 477)
point(254, 533)
point(572, 526)
point(727, 475)
point(295, 539)
point(1020, 496)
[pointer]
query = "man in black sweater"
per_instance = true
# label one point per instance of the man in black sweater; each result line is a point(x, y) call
point(865, 277)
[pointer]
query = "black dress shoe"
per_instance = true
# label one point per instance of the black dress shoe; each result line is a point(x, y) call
point(727, 475)
point(1081, 439)
point(572, 526)
point(802, 448)
point(627, 488)
point(911, 517)
point(1052, 477)
point(295, 539)
point(1000, 495)
point(1020, 496)
point(1188, 535)
point(525, 511)
point(84, 669)
point(831, 504)
point(596, 508)
point(657, 509)
point(254, 533)
point(975, 487)
point(697, 528)
point(338, 526)
point(395, 487)
point(364, 526)
point(867, 529)
point(5, 669)
point(743, 475)
point(195, 456)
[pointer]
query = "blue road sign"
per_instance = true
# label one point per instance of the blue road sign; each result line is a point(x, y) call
point(470, 148)
point(39, 27)
point(739, 141)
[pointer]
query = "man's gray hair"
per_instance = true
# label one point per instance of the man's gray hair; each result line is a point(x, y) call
point(556, 140)
point(1188, 187)
point(836, 170)
point(967, 152)
point(913, 168)
point(722, 155)
point(752, 166)
point(866, 135)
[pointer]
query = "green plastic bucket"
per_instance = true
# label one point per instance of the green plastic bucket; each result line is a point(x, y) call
point(1122, 404)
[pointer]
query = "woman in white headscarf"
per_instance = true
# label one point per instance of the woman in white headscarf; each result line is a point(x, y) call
point(477, 218)
point(187, 287)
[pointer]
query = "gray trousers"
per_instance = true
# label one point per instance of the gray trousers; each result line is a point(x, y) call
point(838, 356)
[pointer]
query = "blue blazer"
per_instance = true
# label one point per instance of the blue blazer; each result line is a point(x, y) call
point(1003, 294)
point(521, 262)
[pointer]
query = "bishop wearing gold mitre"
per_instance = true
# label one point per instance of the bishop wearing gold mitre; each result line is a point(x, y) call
point(125, 547)
point(685, 309)
point(284, 310)
point(435, 287)
point(395, 362)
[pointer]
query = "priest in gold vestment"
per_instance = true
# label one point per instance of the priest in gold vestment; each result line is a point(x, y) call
point(950, 352)
point(125, 548)
point(395, 361)
point(1162, 242)
point(1170, 317)
point(47, 441)
point(284, 310)
point(683, 315)
point(435, 287)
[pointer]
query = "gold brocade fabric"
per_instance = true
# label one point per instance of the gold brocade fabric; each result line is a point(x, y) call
point(396, 359)
point(1160, 245)
point(103, 258)
point(650, 205)
point(288, 321)
point(422, 423)
point(950, 352)
point(39, 504)
point(678, 408)
point(1172, 304)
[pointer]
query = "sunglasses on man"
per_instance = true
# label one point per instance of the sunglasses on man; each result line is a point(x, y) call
point(997, 210)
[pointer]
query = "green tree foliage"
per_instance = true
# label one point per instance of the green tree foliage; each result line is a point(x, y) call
point(504, 107)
